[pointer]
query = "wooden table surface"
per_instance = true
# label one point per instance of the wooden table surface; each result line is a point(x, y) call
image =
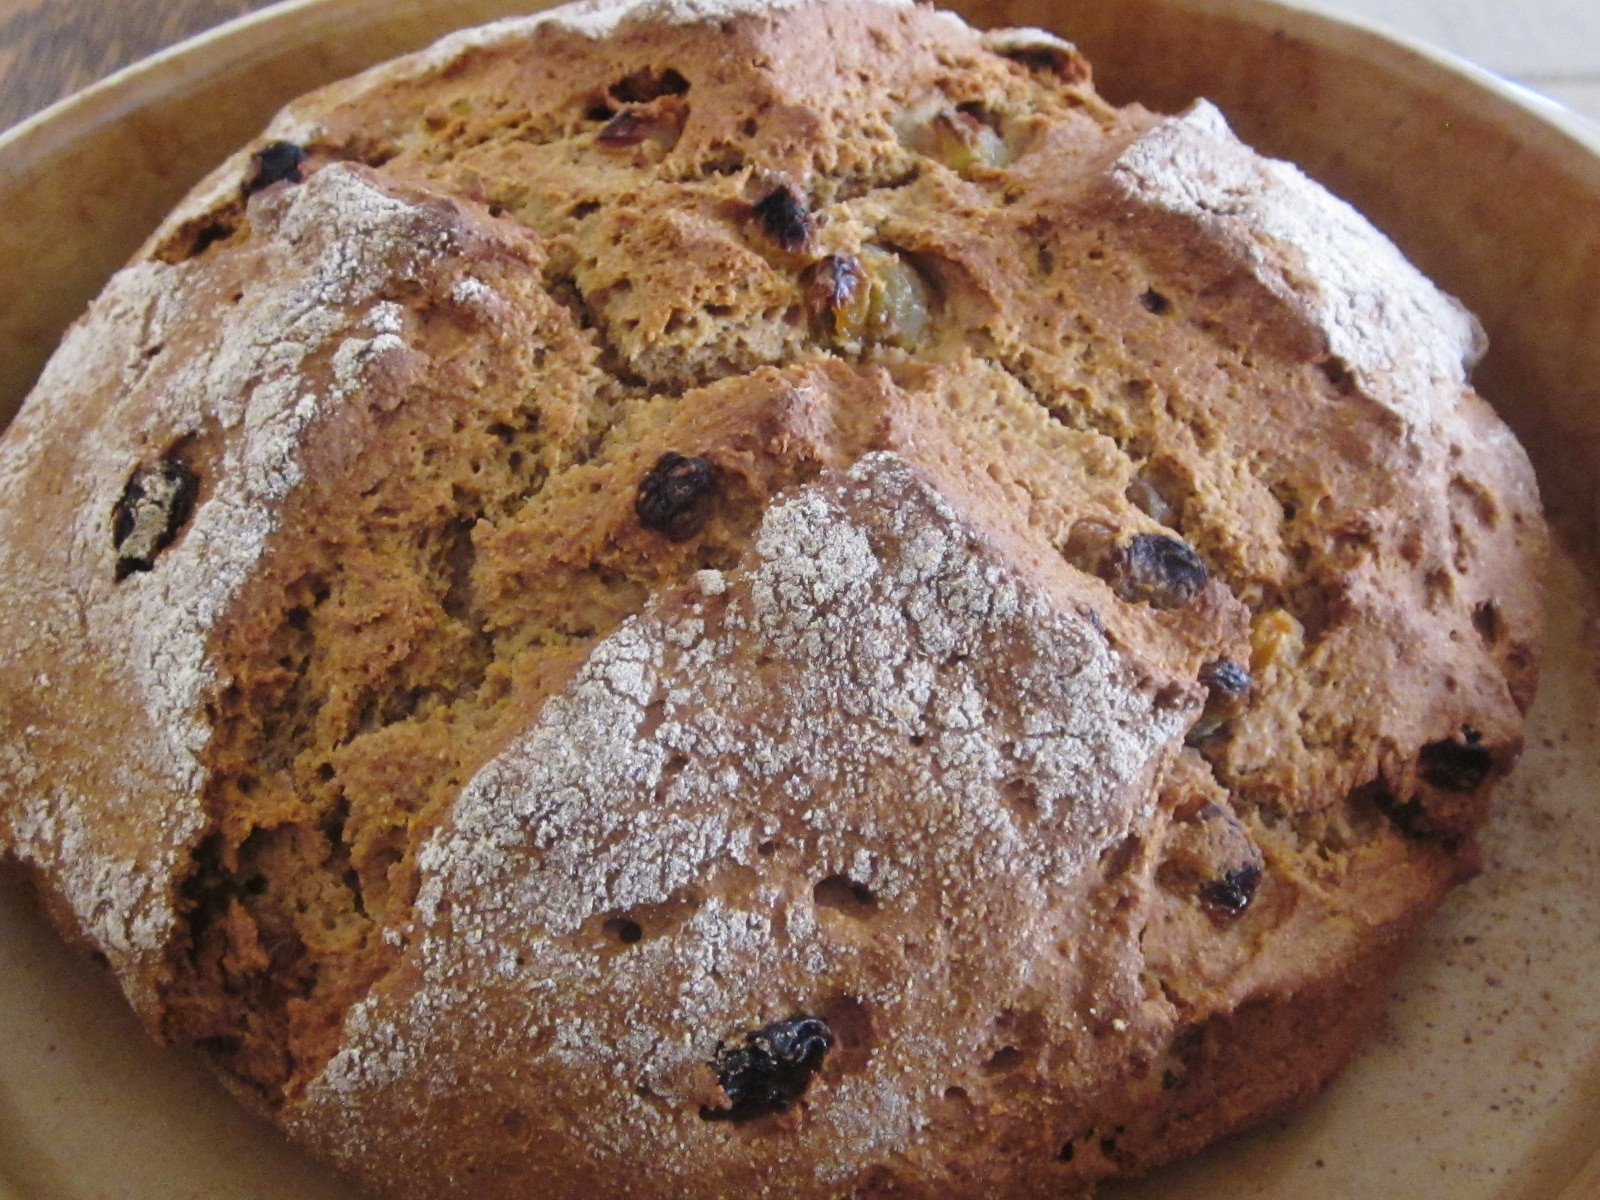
point(50, 48)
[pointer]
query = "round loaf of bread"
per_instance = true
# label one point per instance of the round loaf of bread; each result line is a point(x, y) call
point(709, 599)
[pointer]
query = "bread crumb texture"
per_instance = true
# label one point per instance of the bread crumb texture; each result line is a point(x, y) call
point(697, 599)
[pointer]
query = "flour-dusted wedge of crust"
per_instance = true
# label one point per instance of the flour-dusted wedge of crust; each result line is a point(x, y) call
point(713, 599)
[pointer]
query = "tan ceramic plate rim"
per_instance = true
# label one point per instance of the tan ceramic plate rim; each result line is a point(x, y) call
point(124, 91)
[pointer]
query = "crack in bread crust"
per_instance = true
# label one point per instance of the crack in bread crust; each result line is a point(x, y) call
point(914, 665)
point(420, 389)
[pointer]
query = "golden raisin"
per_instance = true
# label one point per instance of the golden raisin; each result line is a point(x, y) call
point(897, 306)
point(1276, 639)
point(874, 297)
point(958, 140)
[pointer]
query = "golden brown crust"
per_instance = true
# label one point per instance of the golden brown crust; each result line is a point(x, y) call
point(660, 521)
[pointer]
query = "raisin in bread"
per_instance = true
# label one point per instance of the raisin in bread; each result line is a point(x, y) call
point(702, 599)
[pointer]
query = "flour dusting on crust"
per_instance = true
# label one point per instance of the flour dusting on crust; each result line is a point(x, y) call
point(603, 18)
point(497, 808)
point(598, 19)
point(332, 246)
point(594, 19)
point(924, 686)
point(1405, 342)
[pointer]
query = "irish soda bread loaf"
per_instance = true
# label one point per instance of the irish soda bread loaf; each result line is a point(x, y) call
point(709, 600)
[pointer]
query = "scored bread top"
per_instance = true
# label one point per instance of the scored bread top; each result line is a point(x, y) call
point(109, 688)
point(1098, 608)
point(872, 676)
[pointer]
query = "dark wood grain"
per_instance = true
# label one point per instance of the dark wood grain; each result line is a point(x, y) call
point(50, 48)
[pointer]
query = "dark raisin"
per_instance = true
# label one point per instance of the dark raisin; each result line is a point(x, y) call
point(1043, 58)
point(1453, 766)
point(1406, 815)
point(771, 1070)
point(783, 215)
point(1155, 302)
point(1227, 683)
point(208, 235)
point(836, 292)
point(1226, 676)
point(639, 125)
point(1038, 51)
point(625, 929)
point(1486, 620)
point(1210, 855)
point(155, 504)
point(649, 84)
point(624, 129)
point(1233, 892)
point(1158, 570)
point(1338, 374)
point(276, 162)
point(671, 494)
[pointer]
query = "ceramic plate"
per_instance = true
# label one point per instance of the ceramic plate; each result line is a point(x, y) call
point(1483, 1082)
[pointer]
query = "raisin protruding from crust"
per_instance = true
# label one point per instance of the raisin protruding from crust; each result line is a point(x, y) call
point(1210, 856)
point(1227, 684)
point(874, 297)
point(1046, 58)
point(1232, 893)
point(154, 506)
point(1453, 766)
point(276, 162)
point(662, 125)
point(1408, 816)
point(960, 139)
point(785, 218)
point(1038, 51)
point(1162, 571)
point(771, 1070)
point(1225, 675)
point(838, 294)
point(648, 84)
point(670, 495)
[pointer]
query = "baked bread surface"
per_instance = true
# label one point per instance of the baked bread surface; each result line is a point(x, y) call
point(691, 600)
